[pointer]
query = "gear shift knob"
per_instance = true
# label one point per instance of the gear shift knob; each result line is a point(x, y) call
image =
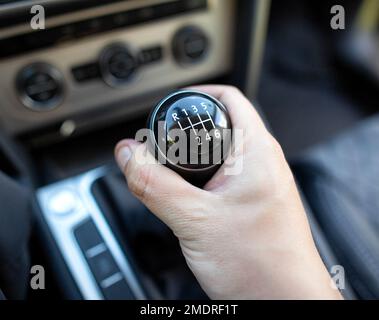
point(190, 132)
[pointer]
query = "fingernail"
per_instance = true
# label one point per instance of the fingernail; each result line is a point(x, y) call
point(123, 156)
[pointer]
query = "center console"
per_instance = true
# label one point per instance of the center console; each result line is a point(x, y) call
point(71, 90)
point(113, 247)
point(89, 247)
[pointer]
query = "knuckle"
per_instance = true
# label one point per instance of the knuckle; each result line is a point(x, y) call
point(233, 90)
point(275, 146)
point(270, 145)
point(274, 169)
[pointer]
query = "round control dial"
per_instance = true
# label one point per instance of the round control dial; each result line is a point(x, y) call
point(40, 86)
point(117, 64)
point(190, 133)
point(190, 45)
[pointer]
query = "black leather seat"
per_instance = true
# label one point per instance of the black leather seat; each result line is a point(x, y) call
point(341, 182)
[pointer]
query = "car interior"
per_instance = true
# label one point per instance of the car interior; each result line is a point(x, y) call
point(90, 76)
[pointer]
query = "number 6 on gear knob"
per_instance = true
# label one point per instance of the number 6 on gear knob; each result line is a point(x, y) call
point(190, 132)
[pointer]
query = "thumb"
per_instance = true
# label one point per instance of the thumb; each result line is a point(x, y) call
point(163, 191)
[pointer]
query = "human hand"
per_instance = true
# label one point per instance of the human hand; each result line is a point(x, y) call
point(244, 236)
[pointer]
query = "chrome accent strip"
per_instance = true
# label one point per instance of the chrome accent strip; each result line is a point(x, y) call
point(111, 280)
point(96, 250)
point(62, 228)
point(257, 47)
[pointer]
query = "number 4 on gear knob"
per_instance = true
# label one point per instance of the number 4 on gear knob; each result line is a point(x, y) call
point(190, 132)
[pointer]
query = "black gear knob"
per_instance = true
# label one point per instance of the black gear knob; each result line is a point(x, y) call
point(190, 132)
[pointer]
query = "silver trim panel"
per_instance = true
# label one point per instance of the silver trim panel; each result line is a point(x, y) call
point(63, 226)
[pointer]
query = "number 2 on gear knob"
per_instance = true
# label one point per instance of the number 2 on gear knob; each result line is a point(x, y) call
point(190, 132)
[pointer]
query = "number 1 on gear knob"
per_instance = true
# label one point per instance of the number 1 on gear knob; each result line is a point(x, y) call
point(190, 132)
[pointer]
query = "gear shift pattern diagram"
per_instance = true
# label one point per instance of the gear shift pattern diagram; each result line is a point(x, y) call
point(191, 134)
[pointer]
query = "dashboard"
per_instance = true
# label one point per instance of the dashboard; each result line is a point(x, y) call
point(101, 61)
point(98, 63)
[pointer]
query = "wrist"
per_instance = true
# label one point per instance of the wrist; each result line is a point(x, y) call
point(287, 274)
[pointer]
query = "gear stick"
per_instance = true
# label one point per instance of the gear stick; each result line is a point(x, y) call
point(190, 132)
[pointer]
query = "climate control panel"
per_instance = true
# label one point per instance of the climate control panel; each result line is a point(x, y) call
point(119, 72)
